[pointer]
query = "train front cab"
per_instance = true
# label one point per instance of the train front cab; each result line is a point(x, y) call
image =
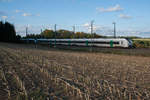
point(130, 43)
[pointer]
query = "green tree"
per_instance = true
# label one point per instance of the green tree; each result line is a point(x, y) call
point(48, 34)
point(64, 34)
point(7, 32)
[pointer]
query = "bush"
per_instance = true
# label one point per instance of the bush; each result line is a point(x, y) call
point(141, 44)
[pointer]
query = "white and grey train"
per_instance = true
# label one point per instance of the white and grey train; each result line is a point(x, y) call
point(100, 42)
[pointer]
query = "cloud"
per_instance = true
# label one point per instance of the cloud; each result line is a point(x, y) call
point(110, 9)
point(37, 15)
point(108, 31)
point(4, 17)
point(26, 14)
point(29, 14)
point(123, 16)
point(18, 11)
point(2, 13)
point(95, 27)
point(86, 25)
point(5, 0)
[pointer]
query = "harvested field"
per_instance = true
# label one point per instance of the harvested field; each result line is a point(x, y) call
point(142, 39)
point(27, 73)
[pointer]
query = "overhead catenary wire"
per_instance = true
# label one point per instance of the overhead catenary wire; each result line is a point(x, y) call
point(90, 28)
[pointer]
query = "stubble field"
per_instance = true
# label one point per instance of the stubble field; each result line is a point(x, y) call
point(28, 73)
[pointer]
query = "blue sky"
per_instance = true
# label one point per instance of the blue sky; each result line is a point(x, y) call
point(131, 16)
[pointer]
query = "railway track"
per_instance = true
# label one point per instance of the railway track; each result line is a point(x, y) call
point(123, 51)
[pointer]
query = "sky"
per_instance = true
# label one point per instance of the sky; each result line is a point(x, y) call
point(131, 16)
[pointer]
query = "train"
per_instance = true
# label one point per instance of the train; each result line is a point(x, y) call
point(98, 42)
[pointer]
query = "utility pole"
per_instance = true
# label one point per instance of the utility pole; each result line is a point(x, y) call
point(114, 29)
point(55, 28)
point(74, 31)
point(27, 34)
point(92, 22)
point(41, 31)
point(26, 31)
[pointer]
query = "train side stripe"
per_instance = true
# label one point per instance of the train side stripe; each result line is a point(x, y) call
point(111, 43)
point(87, 43)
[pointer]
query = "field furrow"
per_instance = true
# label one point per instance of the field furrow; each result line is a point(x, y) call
point(35, 74)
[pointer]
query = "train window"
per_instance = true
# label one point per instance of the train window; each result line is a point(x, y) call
point(95, 42)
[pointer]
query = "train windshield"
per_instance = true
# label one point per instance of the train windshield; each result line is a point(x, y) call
point(130, 41)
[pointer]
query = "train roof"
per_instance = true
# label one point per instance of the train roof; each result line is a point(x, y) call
point(87, 39)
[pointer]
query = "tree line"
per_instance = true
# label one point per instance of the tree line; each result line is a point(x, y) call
point(8, 33)
point(62, 34)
